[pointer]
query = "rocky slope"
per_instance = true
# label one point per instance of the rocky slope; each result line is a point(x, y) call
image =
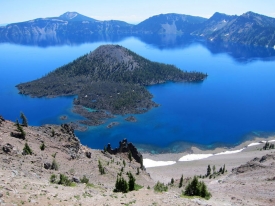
point(25, 179)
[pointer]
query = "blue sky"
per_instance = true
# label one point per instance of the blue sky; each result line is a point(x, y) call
point(126, 10)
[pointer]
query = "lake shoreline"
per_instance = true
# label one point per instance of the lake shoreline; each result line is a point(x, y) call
point(196, 154)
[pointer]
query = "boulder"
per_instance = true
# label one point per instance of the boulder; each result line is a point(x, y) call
point(47, 165)
point(88, 154)
point(76, 179)
point(7, 148)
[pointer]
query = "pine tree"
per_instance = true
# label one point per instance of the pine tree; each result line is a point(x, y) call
point(42, 146)
point(101, 168)
point(266, 146)
point(208, 171)
point(196, 188)
point(181, 181)
point(121, 185)
point(223, 170)
point(172, 181)
point(131, 181)
point(203, 191)
point(130, 156)
point(20, 129)
point(24, 119)
point(27, 150)
point(54, 165)
point(214, 169)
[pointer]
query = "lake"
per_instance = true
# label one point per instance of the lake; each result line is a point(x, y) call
point(233, 104)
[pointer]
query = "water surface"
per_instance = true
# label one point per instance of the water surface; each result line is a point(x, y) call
point(236, 100)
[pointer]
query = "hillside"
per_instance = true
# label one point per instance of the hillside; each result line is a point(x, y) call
point(68, 24)
point(169, 24)
point(111, 78)
point(25, 179)
point(214, 23)
point(248, 29)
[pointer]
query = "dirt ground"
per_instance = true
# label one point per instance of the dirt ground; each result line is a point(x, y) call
point(249, 180)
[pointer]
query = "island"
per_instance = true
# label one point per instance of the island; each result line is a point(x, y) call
point(110, 80)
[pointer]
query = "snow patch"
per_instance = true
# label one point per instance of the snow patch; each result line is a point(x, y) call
point(192, 157)
point(152, 163)
point(231, 152)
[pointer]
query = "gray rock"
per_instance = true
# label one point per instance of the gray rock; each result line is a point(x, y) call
point(88, 154)
point(47, 165)
point(76, 179)
point(7, 148)
point(14, 173)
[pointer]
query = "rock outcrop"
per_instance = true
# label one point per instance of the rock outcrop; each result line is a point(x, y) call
point(257, 163)
point(125, 147)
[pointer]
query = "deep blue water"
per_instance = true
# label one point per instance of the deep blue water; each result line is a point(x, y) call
point(234, 102)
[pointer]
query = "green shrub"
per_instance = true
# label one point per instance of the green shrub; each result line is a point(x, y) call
point(54, 165)
point(196, 188)
point(53, 178)
point(121, 185)
point(160, 187)
point(172, 181)
point(101, 168)
point(130, 156)
point(24, 119)
point(42, 146)
point(84, 179)
point(131, 182)
point(27, 150)
point(53, 132)
point(64, 180)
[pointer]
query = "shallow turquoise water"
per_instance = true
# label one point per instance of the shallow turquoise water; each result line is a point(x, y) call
point(235, 100)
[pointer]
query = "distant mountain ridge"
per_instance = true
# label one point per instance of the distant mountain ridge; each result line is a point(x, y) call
point(248, 29)
point(169, 24)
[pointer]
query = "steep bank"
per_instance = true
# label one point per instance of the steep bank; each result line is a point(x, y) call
point(25, 179)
